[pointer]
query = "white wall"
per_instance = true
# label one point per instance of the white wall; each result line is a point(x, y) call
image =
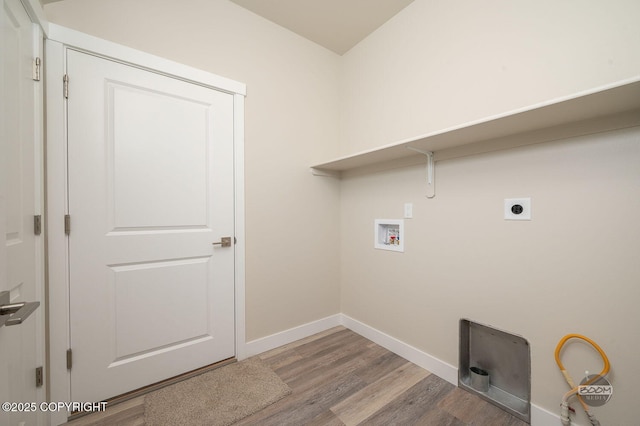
point(572, 269)
point(291, 111)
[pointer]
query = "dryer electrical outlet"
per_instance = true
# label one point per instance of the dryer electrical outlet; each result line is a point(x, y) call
point(517, 208)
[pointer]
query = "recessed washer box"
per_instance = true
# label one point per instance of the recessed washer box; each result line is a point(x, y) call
point(389, 234)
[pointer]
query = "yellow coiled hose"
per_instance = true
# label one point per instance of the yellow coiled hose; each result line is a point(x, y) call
point(574, 389)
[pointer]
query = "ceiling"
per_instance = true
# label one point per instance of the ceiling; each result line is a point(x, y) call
point(337, 25)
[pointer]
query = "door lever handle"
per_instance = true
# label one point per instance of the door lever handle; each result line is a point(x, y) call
point(224, 242)
point(14, 313)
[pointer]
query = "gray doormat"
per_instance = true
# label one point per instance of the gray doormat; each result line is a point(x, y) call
point(218, 398)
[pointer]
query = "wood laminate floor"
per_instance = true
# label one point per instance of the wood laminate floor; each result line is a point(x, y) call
point(338, 378)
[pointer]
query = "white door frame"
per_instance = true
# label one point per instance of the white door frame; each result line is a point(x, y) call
point(59, 40)
point(41, 357)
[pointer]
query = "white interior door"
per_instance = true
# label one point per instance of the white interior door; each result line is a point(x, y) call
point(20, 186)
point(150, 172)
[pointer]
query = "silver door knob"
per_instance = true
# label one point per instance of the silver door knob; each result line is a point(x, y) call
point(224, 242)
point(14, 313)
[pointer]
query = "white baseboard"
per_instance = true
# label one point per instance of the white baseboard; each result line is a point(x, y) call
point(448, 372)
point(542, 417)
point(438, 367)
point(282, 338)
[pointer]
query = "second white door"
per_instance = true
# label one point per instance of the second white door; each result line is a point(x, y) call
point(150, 173)
point(21, 249)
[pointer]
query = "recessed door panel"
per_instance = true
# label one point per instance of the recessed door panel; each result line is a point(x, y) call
point(159, 146)
point(141, 291)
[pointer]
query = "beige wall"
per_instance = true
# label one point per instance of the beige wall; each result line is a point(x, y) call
point(572, 269)
point(438, 64)
point(291, 217)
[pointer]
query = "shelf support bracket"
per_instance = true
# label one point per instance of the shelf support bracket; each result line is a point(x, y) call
point(431, 175)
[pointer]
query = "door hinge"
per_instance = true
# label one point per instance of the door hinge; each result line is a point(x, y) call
point(65, 86)
point(39, 377)
point(36, 69)
point(37, 224)
point(67, 224)
point(69, 359)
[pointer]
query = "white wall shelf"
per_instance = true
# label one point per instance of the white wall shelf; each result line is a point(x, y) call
point(583, 111)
